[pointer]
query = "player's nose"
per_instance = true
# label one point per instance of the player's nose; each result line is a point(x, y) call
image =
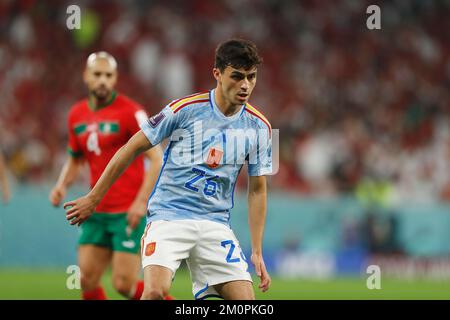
point(245, 85)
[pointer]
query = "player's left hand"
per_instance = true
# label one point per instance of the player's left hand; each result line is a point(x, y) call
point(136, 212)
point(79, 210)
point(261, 272)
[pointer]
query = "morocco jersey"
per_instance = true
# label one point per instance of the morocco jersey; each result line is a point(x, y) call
point(97, 135)
point(204, 156)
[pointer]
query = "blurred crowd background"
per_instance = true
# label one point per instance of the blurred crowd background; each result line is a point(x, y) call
point(363, 117)
point(359, 111)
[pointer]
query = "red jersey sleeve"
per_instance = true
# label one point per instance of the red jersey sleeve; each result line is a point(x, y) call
point(73, 147)
point(137, 116)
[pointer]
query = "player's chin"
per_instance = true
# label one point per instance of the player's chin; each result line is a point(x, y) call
point(101, 94)
point(240, 100)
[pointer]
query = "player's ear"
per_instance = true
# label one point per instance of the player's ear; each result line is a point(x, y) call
point(115, 77)
point(216, 73)
point(86, 76)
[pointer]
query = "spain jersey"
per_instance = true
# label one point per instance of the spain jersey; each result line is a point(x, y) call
point(204, 155)
point(97, 135)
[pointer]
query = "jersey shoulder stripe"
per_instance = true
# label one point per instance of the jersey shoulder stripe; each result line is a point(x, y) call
point(252, 110)
point(191, 95)
point(191, 102)
point(180, 103)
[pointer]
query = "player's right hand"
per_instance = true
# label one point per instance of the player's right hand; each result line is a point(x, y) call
point(57, 195)
point(79, 210)
point(6, 195)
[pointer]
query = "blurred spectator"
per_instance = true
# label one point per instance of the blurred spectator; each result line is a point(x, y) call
point(354, 107)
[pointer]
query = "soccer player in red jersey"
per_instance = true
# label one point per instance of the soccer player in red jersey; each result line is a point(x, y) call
point(4, 180)
point(98, 127)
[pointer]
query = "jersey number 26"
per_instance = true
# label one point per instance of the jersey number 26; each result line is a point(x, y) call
point(210, 185)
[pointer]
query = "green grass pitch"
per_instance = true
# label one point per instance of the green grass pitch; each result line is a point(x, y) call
point(51, 285)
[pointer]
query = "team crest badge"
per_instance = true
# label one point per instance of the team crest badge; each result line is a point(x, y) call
point(214, 157)
point(150, 249)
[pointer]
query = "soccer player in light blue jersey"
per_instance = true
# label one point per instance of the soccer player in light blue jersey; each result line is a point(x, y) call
point(211, 136)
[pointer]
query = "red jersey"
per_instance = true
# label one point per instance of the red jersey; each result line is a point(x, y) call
point(97, 135)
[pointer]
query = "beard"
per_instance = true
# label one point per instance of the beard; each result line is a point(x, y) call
point(101, 93)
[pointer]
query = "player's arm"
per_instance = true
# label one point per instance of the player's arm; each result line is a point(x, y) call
point(68, 174)
point(139, 206)
point(82, 208)
point(4, 180)
point(257, 195)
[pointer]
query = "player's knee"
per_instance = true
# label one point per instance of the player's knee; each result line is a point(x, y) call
point(236, 291)
point(123, 285)
point(89, 281)
point(154, 294)
point(249, 296)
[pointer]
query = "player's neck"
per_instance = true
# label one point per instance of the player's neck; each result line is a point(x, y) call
point(97, 104)
point(227, 108)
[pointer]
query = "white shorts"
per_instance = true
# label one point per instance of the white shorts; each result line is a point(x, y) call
point(211, 250)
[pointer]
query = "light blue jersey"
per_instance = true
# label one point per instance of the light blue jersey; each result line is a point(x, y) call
point(204, 156)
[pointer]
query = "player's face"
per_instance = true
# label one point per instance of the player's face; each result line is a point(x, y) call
point(236, 84)
point(100, 78)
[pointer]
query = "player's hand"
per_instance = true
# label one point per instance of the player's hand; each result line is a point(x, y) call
point(57, 195)
point(261, 272)
point(79, 210)
point(136, 212)
point(6, 195)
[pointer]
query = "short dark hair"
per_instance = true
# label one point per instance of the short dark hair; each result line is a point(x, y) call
point(237, 53)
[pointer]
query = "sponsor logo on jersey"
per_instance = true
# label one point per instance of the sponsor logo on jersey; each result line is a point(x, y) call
point(156, 119)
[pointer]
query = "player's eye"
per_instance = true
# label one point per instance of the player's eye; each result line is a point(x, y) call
point(252, 76)
point(109, 75)
point(97, 74)
point(237, 77)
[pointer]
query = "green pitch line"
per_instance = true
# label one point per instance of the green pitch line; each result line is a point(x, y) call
point(51, 284)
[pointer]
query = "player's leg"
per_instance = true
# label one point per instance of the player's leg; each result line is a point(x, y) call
point(218, 266)
point(126, 261)
point(93, 261)
point(164, 245)
point(236, 290)
point(94, 256)
point(125, 274)
point(157, 282)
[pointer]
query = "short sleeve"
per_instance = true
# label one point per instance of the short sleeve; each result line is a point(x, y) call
point(73, 147)
point(161, 125)
point(260, 157)
point(138, 118)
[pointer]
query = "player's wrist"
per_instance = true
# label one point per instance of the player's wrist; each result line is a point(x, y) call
point(141, 200)
point(93, 198)
point(257, 252)
point(60, 185)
